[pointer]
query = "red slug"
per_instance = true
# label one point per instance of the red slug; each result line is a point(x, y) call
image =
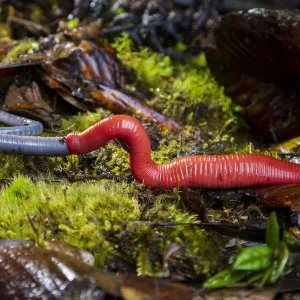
point(208, 171)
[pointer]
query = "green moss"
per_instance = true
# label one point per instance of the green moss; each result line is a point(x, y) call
point(73, 23)
point(150, 67)
point(118, 162)
point(10, 165)
point(170, 150)
point(94, 215)
point(26, 46)
point(197, 246)
point(181, 91)
point(77, 212)
point(82, 121)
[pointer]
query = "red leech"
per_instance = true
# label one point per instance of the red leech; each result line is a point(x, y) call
point(207, 171)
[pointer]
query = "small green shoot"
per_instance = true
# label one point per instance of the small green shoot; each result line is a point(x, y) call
point(257, 265)
point(273, 232)
point(224, 278)
point(253, 258)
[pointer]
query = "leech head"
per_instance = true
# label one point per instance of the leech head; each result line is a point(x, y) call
point(75, 143)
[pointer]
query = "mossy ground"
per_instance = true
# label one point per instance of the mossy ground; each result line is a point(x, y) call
point(187, 92)
point(107, 216)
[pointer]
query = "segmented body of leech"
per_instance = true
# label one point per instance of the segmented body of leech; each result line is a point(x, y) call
point(207, 171)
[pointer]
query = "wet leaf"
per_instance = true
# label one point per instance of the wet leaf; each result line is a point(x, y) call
point(91, 61)
point(27, 100)
point(254, 258)
point(22, 61)
point(272, 236)
point(57, 272)
point(224, 278)
point(70, 250)
point(252, 41)
point(96, 80)
point(63, 92)
point(139, 288)
point(247, 45)
point(275, 196)
point(53, 274)
point(270, 111)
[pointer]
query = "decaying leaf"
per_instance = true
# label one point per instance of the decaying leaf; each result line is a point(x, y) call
point(28, 101)
point(258, 68)
point(96, 80)
point(275, 196)
point(28, 272)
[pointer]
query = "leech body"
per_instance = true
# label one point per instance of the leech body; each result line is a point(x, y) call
point(208, 171)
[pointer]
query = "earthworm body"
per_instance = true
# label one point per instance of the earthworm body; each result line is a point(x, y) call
point(15, 139)
point(208, 171)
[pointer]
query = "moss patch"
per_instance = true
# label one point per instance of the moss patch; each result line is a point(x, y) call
point(186, 91)
point(26, 46)
point(103, 217)
point(13, 165)
point(82, 121)
point(150, 67)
